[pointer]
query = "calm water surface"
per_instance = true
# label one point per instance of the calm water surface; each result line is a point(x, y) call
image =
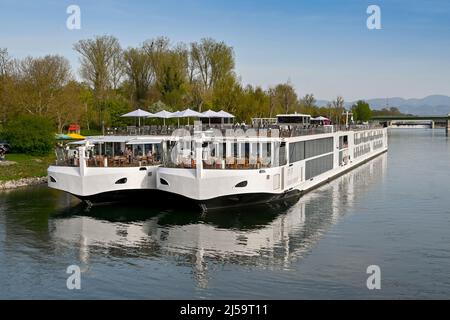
point(393, 212)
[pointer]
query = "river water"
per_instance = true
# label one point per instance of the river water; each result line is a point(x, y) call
point(393, 212)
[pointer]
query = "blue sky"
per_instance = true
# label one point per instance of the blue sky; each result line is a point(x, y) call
point(322, 47)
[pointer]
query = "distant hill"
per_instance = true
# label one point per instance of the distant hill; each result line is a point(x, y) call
point(431, 105)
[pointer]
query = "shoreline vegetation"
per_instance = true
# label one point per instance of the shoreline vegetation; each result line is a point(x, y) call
point(20, 170)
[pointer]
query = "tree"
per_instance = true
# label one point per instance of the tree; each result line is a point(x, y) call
point(102, 67)
point(157, 51)
point(285, 97)
point(5, 63)
point(308, 105)
point(117, 106)
point(210, 62)
point(140, 73)
point(5, 79)
point(271, 93)
point(100, 63)
point(338, 109)
point(361, 111)
point(173, 84)
point(30, 134)
point(159, 106)
point(42, 81)
point(69, 107)
point(227, 95)
point(392, 111)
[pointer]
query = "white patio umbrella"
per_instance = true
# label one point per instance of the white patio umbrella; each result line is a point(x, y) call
point(163, 115)
point(139, 113)
point(188, 113)
point(225, 115)
point(320, 118)
point(176, 114)
point(211, 114)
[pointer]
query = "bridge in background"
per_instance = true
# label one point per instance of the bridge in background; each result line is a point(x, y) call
point(415, 121)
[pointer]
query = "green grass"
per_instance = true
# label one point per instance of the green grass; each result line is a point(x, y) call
point(26, 167)
point(92, 132)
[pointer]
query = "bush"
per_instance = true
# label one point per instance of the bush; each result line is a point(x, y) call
point(30, 134)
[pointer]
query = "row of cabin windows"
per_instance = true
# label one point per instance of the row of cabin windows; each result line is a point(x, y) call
point(368, 136)
point(361, 150)
point(307, 149)
point(378, 144)
point(318, 166)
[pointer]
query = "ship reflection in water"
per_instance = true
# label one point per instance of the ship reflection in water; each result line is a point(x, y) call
point(266, 236)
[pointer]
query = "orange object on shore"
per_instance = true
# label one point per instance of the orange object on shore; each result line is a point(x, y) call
point(74, 128)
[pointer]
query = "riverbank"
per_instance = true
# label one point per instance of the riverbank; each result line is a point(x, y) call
point(22, 170)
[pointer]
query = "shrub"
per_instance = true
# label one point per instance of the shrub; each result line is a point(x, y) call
point(30, 134)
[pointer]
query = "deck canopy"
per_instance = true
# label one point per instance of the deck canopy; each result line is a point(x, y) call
point(102, 139)
point(188, 113)
point(211, 114)
point(320, 118)
point(225, 114)
point(144, 141)
point(163, 114)
point(139, 113)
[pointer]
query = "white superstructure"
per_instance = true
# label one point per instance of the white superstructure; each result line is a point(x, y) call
point(218, 167)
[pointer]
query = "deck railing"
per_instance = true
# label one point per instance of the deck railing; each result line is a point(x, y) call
point(282, 131)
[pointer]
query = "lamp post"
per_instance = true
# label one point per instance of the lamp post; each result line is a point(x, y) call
point(346, 114)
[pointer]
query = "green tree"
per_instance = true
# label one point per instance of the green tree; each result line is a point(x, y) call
point(210, 63)
point(172, 84)
point(5, 81)
point(117, 106)
point(308, 105)
point(337, 110)
point(361, 111)
point(42, 81)
point(30, 134)
point(139, 72)
point(102, 67)
point(285, 98)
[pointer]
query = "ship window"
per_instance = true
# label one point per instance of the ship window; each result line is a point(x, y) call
point(242, 184)
point(247, 150)
point(122, 181)
point(108, 148)
point(52, 179)
point(296, 151)
point(318, 147)
point(283, 159)
point(318, 166)
point(163, 182)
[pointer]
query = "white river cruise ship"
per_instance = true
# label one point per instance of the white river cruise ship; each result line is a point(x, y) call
point(214, 166)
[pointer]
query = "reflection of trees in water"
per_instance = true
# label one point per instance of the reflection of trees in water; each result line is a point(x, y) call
point(263, 236)
point(25, 214)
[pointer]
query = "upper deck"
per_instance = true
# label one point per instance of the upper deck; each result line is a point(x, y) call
point(279, 130)
point(224, 146)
